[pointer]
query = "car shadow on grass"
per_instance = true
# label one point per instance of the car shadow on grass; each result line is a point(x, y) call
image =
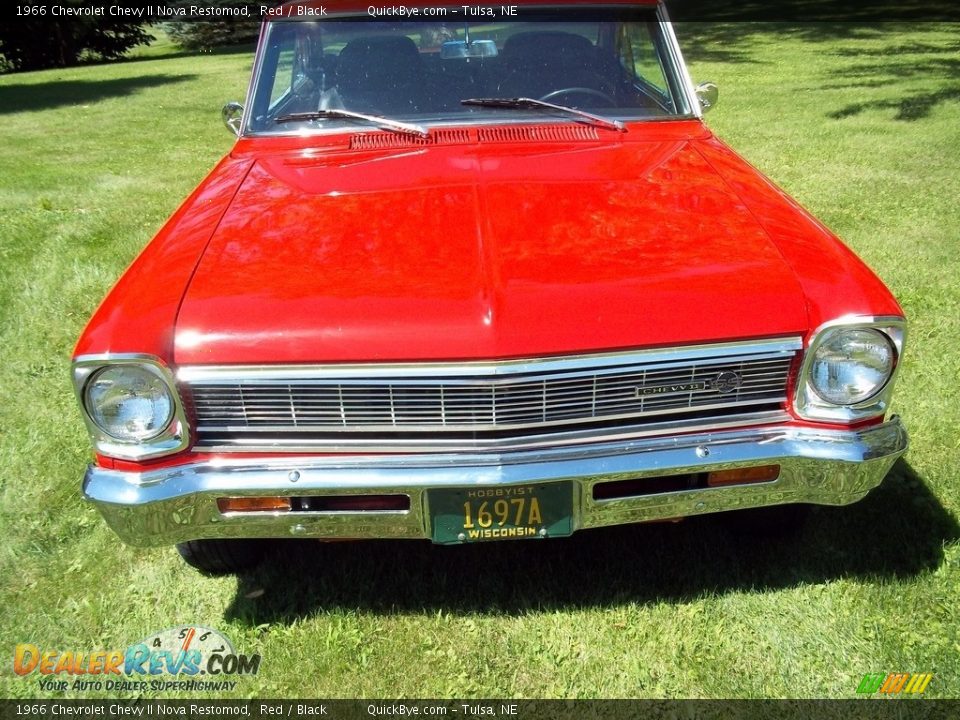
point(33, 96)
point(898, 531)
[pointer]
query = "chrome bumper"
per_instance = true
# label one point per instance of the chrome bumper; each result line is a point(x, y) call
point(180, 503)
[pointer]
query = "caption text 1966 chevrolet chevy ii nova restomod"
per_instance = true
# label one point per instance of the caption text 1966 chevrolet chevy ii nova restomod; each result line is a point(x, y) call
point(468, 279)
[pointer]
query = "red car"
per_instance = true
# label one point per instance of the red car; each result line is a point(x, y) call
point(480, 277)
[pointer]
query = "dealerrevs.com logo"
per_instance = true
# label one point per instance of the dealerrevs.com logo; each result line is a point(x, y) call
point(187, 658)
point(894, 683)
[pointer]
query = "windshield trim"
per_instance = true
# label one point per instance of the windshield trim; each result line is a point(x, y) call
point(678, 65)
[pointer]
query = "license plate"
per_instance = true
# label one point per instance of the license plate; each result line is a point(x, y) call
point(509, 513)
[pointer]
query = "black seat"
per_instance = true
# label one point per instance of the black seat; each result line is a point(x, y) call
point(538, 63)
point(380, 74)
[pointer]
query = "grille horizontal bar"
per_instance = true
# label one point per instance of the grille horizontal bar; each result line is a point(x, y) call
point(235, 407)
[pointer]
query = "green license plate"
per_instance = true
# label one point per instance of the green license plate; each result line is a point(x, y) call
point(504, 513)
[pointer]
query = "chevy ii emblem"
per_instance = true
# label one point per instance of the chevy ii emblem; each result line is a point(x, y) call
point(647, 390)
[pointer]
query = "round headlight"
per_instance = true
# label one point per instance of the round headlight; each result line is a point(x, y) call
point(130, 403)
point(851, 365)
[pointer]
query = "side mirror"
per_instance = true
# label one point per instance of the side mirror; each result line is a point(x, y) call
point(232, 113)
point(707, 94)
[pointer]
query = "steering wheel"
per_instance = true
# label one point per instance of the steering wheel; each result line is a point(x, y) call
point(608, 101)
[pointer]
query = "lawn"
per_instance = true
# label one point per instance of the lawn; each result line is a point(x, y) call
point(861, 124)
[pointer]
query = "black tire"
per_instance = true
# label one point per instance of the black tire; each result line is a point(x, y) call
point(222, 557)
point(779, 521)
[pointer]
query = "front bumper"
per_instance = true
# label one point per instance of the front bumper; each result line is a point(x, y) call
point(179, 503)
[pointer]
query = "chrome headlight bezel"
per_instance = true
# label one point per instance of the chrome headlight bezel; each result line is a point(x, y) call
point(810, 405)
point(173, 438)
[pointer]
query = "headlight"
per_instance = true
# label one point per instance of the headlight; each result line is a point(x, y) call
point(849, 369)
point(851, 365)
point(130, 403)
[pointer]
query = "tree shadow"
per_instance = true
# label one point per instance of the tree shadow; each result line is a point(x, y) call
point(912, 48)
point(697, 50)
point(819, 11)
point(731, 41)
point(852, 85)
point(911, 108)
point(61, 93)
point(175, 52)
point(940, 66)
point(906, 68)
point(898, 531)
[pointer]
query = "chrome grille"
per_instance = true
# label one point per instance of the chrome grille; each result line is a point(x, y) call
point(317, 406)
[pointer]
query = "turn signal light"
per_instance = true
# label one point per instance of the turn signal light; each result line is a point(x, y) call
point(357, 503)
point(743, 476)
point(253, 504)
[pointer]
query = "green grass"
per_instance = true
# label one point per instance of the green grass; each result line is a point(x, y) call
point(862, 125)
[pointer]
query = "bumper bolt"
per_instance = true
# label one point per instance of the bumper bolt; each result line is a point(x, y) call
point(298, 529)
point(703, 451)
point(700, 506)
point(293, 476)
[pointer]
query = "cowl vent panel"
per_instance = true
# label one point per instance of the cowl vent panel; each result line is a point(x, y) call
point(389, 141)
point(538, 133)
point(462, 136)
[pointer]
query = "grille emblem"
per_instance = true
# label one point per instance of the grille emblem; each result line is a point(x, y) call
point(727, 382)
point(647, 390)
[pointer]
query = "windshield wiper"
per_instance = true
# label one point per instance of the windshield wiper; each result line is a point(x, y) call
point(336, 113)
point(523, 103)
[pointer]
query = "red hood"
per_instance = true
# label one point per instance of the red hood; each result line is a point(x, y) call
point(483, 251)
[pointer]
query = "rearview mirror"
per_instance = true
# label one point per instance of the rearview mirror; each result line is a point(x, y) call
point(454, 49)
point(232, 113)
point(707, 94)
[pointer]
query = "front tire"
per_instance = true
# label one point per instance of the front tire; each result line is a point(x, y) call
point(222, 557)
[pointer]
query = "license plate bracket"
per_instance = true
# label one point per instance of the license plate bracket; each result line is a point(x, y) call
point(520, 512)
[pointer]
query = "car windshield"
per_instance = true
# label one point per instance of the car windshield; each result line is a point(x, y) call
point(614, 64)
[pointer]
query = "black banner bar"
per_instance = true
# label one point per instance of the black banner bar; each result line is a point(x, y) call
point(824, 11)
point(865, 709)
